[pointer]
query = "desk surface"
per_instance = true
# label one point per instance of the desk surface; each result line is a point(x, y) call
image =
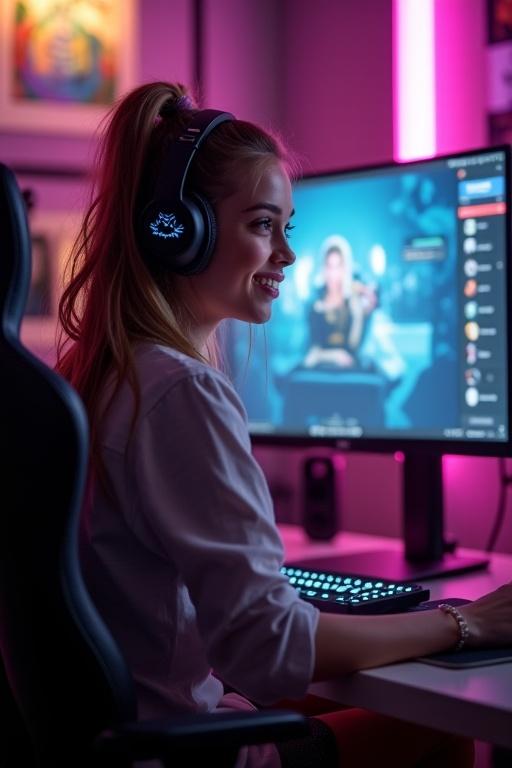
point(473, 702)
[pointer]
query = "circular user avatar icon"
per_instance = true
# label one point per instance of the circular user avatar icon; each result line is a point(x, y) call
point(471, 309)
point(469, 227)
point(470, 267)
point(472, 397)
point(471, 353)
point(472, 331)
point(469, 245)
point(470, 287)
point(473, 376)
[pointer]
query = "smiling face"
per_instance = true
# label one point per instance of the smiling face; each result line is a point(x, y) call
point(251, 252)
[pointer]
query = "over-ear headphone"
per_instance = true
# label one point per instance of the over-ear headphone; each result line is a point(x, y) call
point(177, 230)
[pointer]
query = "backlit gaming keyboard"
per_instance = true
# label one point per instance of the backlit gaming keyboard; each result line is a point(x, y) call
point(343, 593)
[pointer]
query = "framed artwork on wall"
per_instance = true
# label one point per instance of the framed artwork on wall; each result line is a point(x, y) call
point(41, 296)
point(499, 71)
point(53, 234)
point(499, 20)
point(64, 62)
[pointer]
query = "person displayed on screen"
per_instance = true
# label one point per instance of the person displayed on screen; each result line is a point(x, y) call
point(338, 317)
point(179, 545)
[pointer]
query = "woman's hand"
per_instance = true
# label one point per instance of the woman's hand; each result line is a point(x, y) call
point(489, 618)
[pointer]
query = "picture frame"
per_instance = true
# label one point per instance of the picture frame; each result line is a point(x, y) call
point(499, 72)
point(53, 234)
point(499, 20)
point(63, 63)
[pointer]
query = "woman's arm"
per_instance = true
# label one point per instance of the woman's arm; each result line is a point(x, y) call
point(347, 643)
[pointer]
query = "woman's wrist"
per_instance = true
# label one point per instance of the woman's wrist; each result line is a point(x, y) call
point(462, 625)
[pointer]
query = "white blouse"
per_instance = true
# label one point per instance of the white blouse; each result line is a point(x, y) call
point(183, 559)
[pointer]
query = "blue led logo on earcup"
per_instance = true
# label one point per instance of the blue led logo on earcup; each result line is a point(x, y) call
point(166, 225)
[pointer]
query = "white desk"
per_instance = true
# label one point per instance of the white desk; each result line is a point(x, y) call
point(473, 702)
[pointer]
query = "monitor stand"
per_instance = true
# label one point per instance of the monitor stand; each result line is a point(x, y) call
point(424, 555)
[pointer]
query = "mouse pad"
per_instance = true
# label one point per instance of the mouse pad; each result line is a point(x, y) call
point(470, 657)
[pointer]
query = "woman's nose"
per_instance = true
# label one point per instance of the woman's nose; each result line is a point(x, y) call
point(284, 254)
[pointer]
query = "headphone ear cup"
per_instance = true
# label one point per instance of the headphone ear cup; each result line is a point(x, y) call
point(176, 231)
point(167, 234)
point(206, 235)
point(179, 237)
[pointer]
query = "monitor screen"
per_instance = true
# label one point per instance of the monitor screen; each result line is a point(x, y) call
point(391, 328)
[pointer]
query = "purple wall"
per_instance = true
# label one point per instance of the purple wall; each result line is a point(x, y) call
point(336, 66)
point(242, 58)
point(165, 40)
point(322, 74)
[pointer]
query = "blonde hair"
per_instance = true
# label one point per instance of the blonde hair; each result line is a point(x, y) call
point(113, 299)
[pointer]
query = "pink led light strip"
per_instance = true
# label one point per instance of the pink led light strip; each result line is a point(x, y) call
point(414, 108)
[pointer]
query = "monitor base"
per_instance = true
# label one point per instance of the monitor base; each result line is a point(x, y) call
point(392, 565)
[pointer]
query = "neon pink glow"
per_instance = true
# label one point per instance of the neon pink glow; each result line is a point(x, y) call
point(462, 69)
point(454, 468)
point(414, 79)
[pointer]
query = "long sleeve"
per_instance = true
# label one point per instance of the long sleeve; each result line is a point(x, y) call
point(203, 501)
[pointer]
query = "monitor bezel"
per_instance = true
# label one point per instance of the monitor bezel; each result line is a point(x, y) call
point(397, 443)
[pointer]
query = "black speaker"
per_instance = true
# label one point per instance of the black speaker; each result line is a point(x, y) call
point(176, 229)
point(320, 510)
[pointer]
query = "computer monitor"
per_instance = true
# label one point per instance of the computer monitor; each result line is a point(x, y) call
point(391, 332)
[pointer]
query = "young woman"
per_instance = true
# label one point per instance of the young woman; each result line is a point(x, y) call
point(179, 545)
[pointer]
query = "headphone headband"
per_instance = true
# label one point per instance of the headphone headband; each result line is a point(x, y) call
point(176, 163)
point(177, 229)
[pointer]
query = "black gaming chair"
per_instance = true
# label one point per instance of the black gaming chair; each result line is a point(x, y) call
point(66, 674)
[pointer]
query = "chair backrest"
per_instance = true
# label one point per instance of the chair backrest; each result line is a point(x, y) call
point(65, 671)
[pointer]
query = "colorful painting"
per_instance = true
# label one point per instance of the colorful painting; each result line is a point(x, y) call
point(64, 62)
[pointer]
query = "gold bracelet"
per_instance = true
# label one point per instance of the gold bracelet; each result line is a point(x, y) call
point(461, 623)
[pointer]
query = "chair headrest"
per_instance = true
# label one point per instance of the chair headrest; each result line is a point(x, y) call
point(15, 254)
